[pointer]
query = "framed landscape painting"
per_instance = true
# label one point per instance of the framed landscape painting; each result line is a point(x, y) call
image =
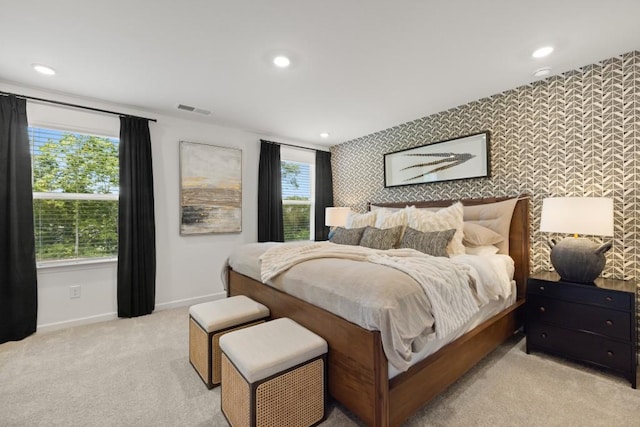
point(459, 158)
point(210, 189)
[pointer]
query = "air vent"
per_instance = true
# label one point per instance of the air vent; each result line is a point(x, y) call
point(186, 107)
point(194, 109)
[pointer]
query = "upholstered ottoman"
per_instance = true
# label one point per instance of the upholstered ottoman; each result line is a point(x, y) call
point(273, 374)
point(209, 321)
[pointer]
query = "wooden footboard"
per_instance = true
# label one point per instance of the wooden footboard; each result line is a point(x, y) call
point(358, 368)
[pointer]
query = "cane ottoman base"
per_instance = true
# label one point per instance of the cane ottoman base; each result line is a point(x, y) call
point(210, 321)
point(293, 396)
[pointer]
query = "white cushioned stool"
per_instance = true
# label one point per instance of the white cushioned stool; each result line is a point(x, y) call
point(209, 321)
point(273, 374)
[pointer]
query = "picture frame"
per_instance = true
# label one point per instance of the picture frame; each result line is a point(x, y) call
point(463, 157)
point(210, 189)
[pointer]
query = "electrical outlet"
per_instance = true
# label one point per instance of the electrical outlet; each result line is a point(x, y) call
point(74, 291)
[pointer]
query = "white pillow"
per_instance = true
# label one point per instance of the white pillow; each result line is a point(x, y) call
point(388, 218)
point(477, 235)
point(481, 250)
point(358, 220)
point(443, 219)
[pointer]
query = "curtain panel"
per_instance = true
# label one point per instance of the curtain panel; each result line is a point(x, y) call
point(136, 221)
point(270, 222)
point(18, 274)
point(324, 193)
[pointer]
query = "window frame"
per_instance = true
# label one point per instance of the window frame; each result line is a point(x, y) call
point(72, 263)
point(298, 155)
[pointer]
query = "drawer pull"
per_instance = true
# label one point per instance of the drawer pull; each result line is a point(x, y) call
point(610, 353)
point(543, 335)
point(542, 309)
point(609, 299)
point(542, 288)
point(609, 323)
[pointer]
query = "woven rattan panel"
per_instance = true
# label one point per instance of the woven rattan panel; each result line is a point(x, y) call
point(293, 399)
point(215, 347)
point(235, 395)
point(198, 349)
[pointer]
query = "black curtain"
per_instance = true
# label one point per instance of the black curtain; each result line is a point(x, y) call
point(324, 192)
point(18, 278)
point(136, 223)
point(270, 226)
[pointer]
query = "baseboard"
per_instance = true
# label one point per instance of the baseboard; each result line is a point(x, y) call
point(47, 327)
point(190, 301)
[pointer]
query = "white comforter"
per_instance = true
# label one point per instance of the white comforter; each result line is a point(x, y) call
point(446, 284)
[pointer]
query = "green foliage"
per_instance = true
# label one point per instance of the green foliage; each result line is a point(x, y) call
point(76, 228)
point(296, 219)
point(76, 164)
point(290, 172)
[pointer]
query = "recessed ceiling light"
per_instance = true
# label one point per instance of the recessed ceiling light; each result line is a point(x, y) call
point(324, 135)
point(542, 52)
point(542, 72)
point(281, 61)
point(43, 69)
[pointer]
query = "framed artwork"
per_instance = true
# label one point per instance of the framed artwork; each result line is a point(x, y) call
point(210, 189)
point(459, 158)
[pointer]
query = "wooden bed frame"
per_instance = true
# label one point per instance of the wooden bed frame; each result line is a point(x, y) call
point(357, 365)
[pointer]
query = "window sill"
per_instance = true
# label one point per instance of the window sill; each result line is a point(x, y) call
point(56, 266)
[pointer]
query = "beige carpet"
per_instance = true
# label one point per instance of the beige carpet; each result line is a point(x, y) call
point(136, 372)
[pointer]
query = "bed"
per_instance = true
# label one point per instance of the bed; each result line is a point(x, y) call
point(358, 369)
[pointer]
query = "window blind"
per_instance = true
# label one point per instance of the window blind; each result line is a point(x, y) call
point(75, 190)
point(297, 200)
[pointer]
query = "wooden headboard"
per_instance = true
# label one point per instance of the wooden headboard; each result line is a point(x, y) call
point(518, 233)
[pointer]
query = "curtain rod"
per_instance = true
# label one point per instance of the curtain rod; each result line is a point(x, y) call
point(297, 146)
point(291, 145)
point(66, 104)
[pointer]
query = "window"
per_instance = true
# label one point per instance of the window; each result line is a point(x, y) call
point(297, 199)
point(75, 192)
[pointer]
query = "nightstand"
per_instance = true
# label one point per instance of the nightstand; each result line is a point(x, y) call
point(591, 323)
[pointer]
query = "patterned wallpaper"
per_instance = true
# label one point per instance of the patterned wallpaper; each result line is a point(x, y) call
point(576, 134)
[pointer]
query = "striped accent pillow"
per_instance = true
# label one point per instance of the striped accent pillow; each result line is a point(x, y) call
point(388, 218)
point(376, 238)
point(431, 242)
point(443, 219)
point(343, 236)
point(358, 220)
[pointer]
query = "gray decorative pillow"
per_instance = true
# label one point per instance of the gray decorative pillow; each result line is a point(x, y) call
point(376, 238)
point(344, 236)
point(430, 242)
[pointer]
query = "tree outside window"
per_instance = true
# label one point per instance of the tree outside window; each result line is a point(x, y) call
point(75, 188)
point(297, 200)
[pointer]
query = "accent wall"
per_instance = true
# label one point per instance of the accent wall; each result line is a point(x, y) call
point(574, 134)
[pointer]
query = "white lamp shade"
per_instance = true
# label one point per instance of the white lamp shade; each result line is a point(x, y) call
point(577, 215)
point(336, 217)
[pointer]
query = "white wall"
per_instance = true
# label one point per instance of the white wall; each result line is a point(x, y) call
point(189, 267)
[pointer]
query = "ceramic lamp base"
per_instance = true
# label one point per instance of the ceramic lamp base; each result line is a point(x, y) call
point(578, 259)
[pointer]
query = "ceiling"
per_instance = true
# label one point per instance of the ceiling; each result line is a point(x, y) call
point(358, 66)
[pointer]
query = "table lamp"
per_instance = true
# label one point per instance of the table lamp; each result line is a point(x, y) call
point(336, 217)
point(578, 259)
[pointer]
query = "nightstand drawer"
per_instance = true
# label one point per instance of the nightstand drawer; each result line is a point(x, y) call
point(612, 323)
point(582, 293)
point(580, 346)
